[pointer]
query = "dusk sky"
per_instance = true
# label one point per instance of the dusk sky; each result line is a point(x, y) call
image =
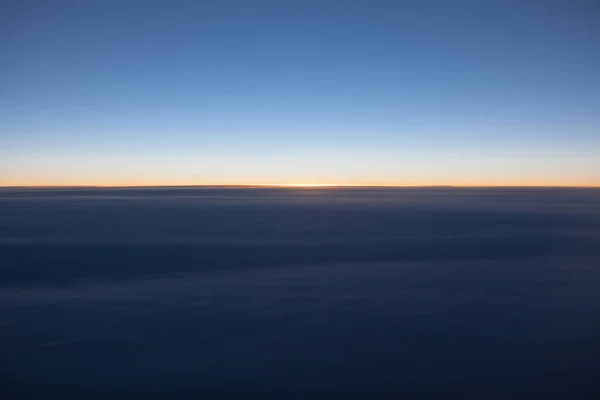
point(308, 91)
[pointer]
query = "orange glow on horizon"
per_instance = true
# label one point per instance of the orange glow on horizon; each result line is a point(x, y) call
point(291, 185)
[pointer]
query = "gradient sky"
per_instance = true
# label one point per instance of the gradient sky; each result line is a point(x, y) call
point(258, 92)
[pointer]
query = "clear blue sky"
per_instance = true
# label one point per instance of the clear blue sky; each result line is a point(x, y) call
point(251, 91)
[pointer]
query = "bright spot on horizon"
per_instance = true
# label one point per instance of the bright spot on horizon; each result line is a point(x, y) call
point(308, 184)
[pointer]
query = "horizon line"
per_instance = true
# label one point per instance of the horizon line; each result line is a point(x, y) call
point(291, 186)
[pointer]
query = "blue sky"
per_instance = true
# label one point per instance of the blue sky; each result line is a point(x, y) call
point(259, 92)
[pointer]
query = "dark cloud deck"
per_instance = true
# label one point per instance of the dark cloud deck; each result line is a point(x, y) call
point(275, 293)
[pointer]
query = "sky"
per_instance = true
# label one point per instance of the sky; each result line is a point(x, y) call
point(373, 92)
